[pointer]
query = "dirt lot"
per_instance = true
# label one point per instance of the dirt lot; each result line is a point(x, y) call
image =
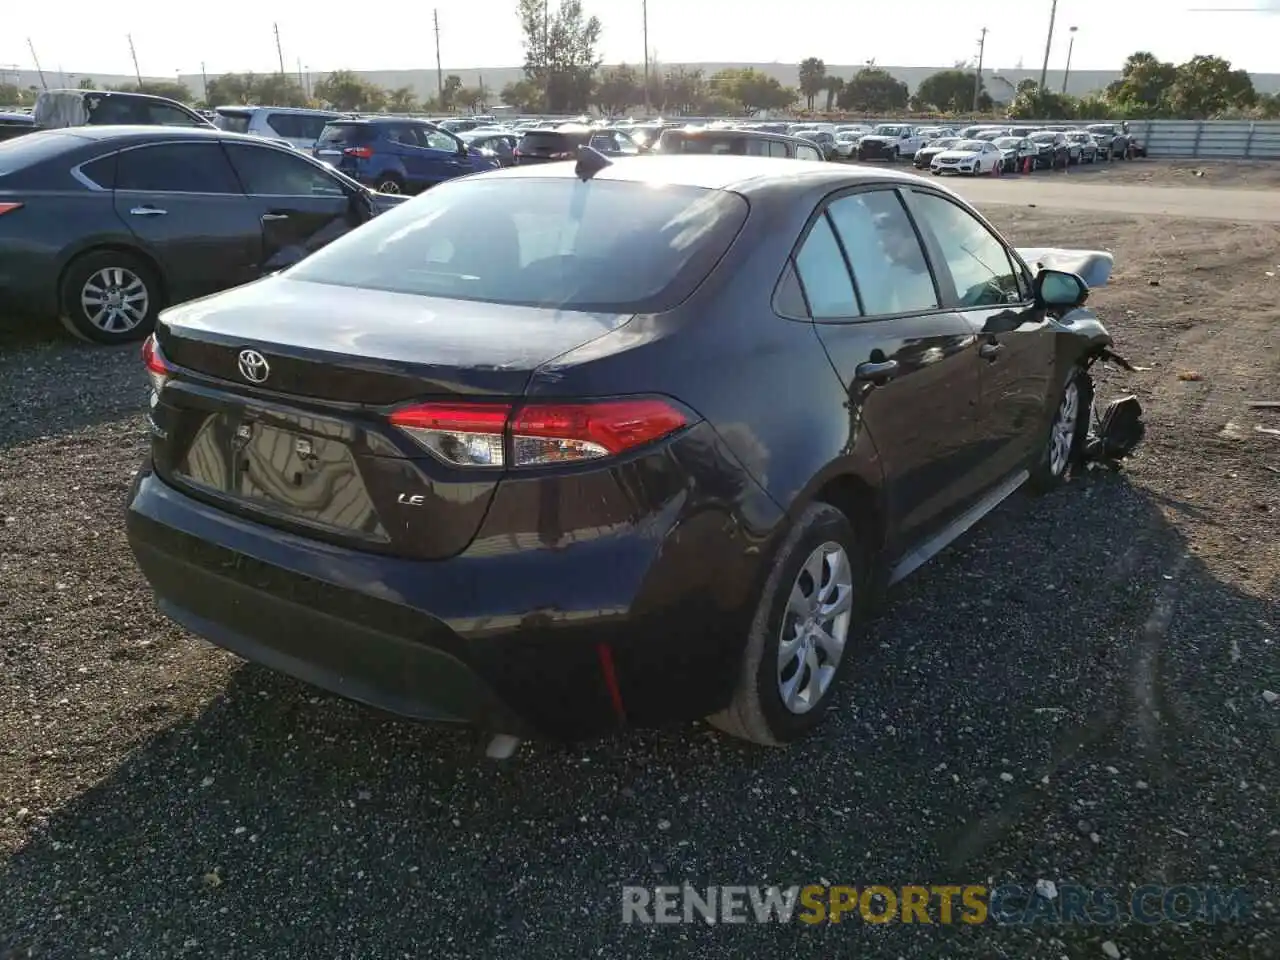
point(1235, 175)
point(1074, 692)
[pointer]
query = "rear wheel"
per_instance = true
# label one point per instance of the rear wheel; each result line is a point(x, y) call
point(797, 647)
point(109, 296)
point(389, 183)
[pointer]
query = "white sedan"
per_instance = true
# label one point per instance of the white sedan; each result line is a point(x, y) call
point(968, 156)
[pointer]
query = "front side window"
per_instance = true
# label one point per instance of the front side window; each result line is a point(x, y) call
point(232, 122)
point(608, 245)
point(978, 262)
point(274, 173)
point(176, 168)
point(884, 250)
point(164, 115)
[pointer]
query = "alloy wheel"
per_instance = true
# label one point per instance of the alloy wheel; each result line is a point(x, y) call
point(389, 186)
point(1062, 434)
point(815, 627)
point(115, 300)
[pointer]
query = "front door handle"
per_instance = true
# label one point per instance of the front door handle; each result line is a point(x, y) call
point(271, 217)
point(990, 351)
point(147, 212)
point(876, 373)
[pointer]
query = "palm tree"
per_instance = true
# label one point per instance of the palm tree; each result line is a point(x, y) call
point(813, 75)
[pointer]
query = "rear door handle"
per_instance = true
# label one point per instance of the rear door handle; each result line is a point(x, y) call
point(990, 351)
point(147, 212)
point(269, 217)
point(876, 373)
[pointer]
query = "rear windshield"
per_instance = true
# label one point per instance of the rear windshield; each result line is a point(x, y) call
point(343, 134)
point(549, 140)
point(606, 245)
point(25, 151)
point(232, 122)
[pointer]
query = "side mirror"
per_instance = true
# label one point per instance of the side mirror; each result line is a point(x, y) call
point(1055, 288)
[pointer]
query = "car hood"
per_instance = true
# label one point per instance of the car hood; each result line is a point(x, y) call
point(881, 138)
point(1091, 266)
point(957, 155)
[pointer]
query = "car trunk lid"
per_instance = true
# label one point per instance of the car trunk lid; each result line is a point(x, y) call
point(277, 400)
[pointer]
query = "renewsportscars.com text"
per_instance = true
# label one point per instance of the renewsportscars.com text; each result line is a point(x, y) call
point(1007, 904)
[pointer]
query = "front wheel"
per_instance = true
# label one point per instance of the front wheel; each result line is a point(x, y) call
point(798, 644)
point(1060, 449)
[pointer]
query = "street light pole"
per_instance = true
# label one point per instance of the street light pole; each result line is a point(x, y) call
point(1048, 44)
point(1067, 73)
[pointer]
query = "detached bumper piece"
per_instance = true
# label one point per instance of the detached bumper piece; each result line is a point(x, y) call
point(1116, 433)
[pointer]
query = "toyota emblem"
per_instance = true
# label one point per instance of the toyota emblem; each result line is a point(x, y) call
point(254, 366)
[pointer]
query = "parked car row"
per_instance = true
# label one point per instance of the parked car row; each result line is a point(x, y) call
point(978, 150)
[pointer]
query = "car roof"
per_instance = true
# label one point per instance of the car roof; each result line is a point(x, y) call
point(126, 134)
point(254, 107)
point(713, 172)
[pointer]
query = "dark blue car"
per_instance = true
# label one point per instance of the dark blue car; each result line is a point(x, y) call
point(398, 155)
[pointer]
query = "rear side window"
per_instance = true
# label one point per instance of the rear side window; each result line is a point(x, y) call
point(346, 135)
point(232, 122)
point(101, 171)
point(609, 246)
point(888, 263)
point(778, 149)
point(296, 126)
point(177, 168)
point(825, 276)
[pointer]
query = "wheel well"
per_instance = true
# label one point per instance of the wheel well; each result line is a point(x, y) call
point(856, 499)
point(146, 258)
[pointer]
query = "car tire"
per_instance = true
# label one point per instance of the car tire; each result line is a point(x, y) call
point(128, 288)
point(388, 183)
point(821, 541)
point(1064, 437)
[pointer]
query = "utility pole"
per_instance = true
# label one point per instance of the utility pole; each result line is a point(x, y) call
point(32, 47)
point(204, 86)
point(977, 77)
point(546, 55)
point(134, 54)
point(279, 52)
point(1067, 73)
point(435, 16)
point(644, 8)
point(301, 83)
point(1048, 43)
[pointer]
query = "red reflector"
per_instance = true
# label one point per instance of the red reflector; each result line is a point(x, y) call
point(457, 417)
point(152, 358)
point(614, 425)
point(8, 207)
point(364, 153)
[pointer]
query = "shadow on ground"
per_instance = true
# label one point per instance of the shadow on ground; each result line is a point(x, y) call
point(1067, 670)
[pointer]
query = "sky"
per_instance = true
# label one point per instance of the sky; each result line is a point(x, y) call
point(237, 35)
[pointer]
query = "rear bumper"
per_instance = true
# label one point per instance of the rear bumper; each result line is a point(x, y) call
point(564, 642)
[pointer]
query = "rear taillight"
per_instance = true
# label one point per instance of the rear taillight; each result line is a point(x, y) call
point(9, 207)
point(362, 153)
point(496, 435)
point(157, 370)
point(516, 152)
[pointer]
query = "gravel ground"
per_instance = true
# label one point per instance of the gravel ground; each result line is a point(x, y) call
point(1233, 174)
point(1074, 692)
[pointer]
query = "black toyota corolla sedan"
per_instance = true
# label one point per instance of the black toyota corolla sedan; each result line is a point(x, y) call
point(103, 226)
point(558, 449)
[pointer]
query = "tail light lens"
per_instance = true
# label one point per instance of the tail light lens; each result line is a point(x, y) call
point(361, 153)
point(9, 207)
point(516, 152)
point(157, 370)
point(476, 435)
